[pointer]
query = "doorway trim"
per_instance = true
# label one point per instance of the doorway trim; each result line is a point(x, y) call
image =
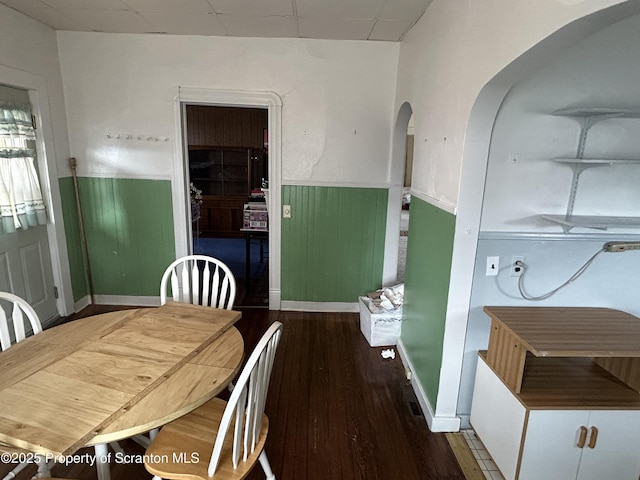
point(229, 98)
point(36, 86)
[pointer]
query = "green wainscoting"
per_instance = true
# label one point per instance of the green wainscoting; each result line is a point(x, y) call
point(129, 230)
point(333, 244)
point(429, 254)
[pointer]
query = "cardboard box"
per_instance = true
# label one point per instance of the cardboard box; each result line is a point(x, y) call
point(380, 329)
point(255, 216)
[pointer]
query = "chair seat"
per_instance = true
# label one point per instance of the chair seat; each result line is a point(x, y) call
point(182, 449)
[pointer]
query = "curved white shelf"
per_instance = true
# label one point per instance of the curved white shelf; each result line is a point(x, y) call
point(593, 221)
point(597, 161)
point(598, 111)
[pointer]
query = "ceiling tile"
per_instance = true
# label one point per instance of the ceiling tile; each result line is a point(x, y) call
point(114, 21)
point(272, 26)
point(22, 4)
point(181, 6)
point(389, 30)
point(87, 4)
point(53, 18)
point(260, 8)
point(327, 19)
point(338, 29)
point(407, 10)
point(185, 24)
point(339, 8)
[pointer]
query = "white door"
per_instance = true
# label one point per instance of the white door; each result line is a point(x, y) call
point(25, 258)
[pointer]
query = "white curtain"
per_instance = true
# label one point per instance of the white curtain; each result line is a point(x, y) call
point(21, 204)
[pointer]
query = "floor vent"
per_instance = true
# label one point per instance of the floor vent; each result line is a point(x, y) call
point(411, 400)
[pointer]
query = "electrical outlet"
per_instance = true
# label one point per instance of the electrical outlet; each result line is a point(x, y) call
point(493, 263)
point(286, 211)
point(516, 270)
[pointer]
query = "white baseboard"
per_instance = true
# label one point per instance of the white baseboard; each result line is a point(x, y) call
point(274, 299)
point(82, 303)
point(435, 423)
point(319, 306)
point(127, 300)
point(117, 300)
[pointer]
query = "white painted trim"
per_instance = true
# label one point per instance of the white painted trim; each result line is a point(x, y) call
point(446, 206)
point(320, 306)
point(435, 424)
point(45, 148)
point(311, 183)
point(82, 303)
point(274, 299)
point(246, 98)
point(560, 237)
point(205, 96)
point(127, 300)
point(127, 176)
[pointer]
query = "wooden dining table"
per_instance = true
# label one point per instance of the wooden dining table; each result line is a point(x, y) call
point(112, 376)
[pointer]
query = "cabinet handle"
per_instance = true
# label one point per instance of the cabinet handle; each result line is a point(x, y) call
point(593, 438)
point(582, 439)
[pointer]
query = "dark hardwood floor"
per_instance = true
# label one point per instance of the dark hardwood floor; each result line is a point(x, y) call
point(337, 409)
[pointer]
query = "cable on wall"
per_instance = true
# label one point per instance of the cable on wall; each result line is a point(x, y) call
point(575, 276)
point(612, 247)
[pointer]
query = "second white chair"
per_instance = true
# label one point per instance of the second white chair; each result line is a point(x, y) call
point(221, 440)
point(200, 280)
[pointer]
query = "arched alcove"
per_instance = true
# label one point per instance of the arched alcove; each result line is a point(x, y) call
point(456, 378)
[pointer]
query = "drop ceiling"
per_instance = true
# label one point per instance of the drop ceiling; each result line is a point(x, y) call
point(384, 20)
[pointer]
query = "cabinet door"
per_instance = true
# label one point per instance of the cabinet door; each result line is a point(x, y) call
point(550, 448)
point(616, 453)
point(498, 419)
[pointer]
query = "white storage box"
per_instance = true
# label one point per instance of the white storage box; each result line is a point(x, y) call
point(380, 329)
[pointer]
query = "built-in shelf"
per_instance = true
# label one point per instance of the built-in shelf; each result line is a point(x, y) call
point(593, 221)
point(597, 161)
point(587, 117)
point(599, 111)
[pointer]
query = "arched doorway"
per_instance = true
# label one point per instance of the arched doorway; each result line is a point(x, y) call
point(398, 168)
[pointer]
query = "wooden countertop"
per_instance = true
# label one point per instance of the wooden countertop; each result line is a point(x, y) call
point(571, 331)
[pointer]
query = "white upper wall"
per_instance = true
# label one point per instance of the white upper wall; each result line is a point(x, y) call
point(31, 47)
point(446, 59)
point(337, 100)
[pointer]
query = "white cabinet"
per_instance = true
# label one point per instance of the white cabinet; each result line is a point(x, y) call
point(553, 444)
point(581, 444)
point(588, 117)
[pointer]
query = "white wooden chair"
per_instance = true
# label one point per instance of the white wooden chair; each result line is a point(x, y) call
point(200, 280)
point(22, 321)
point(199, 445)
point(21, 312)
